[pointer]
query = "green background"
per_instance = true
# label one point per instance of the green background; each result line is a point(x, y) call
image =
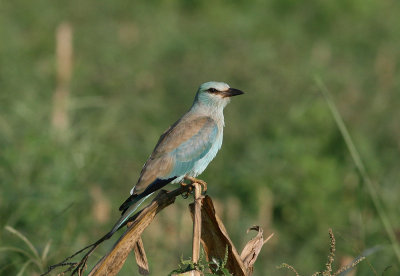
point(136, 67)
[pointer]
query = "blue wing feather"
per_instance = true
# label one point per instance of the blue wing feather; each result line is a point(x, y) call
point(192, 150)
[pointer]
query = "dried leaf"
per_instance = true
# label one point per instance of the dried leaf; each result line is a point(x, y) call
point(140, 256)
point(252, 248)
point(215, 238)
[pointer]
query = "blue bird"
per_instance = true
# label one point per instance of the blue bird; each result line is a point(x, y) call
point(185, 149)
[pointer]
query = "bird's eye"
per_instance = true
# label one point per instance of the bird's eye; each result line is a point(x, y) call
point(212, 90)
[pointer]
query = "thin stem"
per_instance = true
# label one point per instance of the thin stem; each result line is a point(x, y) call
point(360, 167)
point(196, 223)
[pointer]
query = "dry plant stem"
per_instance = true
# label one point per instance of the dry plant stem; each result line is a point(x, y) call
point(76, 265)
point(140, 257)
point(350, 266)
point(293, 269)
point(112, 262)
point(196, 223)
point(215, 238)
point(372, 189)
point(162, 200)
point(331, 256)
point(190, 273)
point(64, 54)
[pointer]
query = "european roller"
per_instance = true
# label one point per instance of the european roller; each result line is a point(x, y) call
point(186, 148)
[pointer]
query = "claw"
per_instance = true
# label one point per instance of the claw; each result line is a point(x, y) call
point(186, 194)
point(195, 180)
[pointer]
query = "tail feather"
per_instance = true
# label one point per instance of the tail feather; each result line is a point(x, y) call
point(127, 203)
point(130, 208)
point(133, 202)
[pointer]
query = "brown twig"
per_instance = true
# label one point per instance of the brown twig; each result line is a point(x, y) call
point(207, 227)
point(112, 262)
point(196, 223)
point(127, 241)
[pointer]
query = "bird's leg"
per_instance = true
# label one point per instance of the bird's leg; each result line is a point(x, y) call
point(195, 180)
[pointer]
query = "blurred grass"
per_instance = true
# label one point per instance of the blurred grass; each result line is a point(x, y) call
point(283, 165)
point(372, 189)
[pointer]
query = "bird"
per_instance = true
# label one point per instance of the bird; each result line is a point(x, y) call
point(185, 149)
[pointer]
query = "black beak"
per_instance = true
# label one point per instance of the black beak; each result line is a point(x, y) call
point(232, 92)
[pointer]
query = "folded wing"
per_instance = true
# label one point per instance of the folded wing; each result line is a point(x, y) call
point(177, 151)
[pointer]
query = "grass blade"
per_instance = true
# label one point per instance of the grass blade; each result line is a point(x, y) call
point(360, 167)
point(24, 239)
point(46, 250)
point(24, 266)
point(17, 250)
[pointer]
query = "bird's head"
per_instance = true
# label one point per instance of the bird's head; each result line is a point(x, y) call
point(216, 94)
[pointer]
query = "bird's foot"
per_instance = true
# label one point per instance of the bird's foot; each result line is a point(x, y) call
point(190, 190)
point(195, 180)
